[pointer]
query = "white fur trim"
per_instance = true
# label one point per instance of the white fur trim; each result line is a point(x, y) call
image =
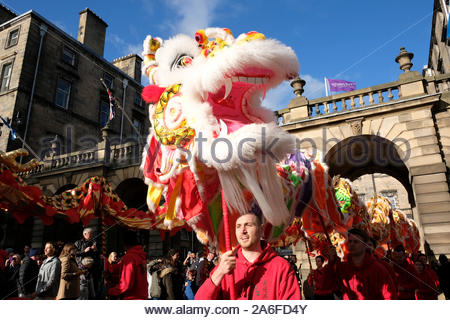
point(250, 143)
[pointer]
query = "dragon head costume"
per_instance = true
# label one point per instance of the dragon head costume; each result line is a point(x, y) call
point(210, 132)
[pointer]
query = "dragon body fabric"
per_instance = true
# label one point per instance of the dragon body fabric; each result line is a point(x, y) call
point(212, 146)
point(211, 139)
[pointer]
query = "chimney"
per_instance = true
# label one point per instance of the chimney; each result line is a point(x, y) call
point(92, 31)
point(131, 65)
point(6, 14)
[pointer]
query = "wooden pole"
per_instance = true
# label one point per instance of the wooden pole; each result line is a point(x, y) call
point(226, 227)
point(324, 229)
point(309, 258)
point(103, 234)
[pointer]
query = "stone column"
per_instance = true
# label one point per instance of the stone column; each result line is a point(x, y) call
point(411, 82)
point(428, 176)
point(104, 147)
point(298, 108)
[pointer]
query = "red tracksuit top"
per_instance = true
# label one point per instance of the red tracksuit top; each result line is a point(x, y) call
point(370, 281)
point(428, 284)
point(321, 282)
point(407, 279)
point(269, 277)
point(133, 278)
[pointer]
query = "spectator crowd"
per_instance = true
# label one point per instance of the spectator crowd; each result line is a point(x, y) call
point(78, 271)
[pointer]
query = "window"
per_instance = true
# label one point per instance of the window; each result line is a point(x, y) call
point(362, 197)
point(68, 56)
point(440, 68)
point(63, 93)
point(104, 113)
point(138, 100)
point(139, 126)
point(13, 38)
point(391, 195)
point(6, 76)
point(109, 80)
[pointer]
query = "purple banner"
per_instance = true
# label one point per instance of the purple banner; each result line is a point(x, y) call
point(341, 85)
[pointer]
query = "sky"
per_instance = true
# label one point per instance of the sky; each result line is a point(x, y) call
point(351, 40)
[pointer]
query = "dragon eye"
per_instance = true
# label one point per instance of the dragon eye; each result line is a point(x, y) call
point(182, 62)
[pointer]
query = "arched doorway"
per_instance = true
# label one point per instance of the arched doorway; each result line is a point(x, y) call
point(133, 192)
point(368, 154)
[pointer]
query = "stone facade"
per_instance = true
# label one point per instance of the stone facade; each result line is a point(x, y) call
point(52, 95)
point(54, 87)
point(439, 53)
point(399, 129)
point(384, 185)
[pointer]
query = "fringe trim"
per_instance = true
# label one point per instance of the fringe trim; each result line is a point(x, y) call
point(263, 182)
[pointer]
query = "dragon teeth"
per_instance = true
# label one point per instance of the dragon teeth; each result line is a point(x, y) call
point(228, 86)
point(251, 80)
point(205, 95)
point(223, 128)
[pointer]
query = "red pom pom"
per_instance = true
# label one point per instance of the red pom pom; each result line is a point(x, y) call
point(151, 93)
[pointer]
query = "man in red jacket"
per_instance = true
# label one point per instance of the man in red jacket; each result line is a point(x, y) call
point(361, 277)
point(323, 287)
point(405, 273)
point(133, 278)
point(259, 273)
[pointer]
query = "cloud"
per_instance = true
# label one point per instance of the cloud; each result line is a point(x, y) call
point(124, 48)
point(314, 88)
point(148, 6)
point(191, 15)
point(279, 97)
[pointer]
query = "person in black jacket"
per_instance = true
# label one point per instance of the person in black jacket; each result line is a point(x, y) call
point(444, 275)
point(28, 273)
point(204, 267)
point(171, 277)
point(87, 247)
point(12, 274)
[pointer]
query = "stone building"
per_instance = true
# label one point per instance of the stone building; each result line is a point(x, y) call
point(391, 139)
point(51, 94)
point(50, 84)
point(439, 52)
point(383, 185)
point(394, 132)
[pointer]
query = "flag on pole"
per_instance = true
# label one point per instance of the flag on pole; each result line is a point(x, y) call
point(13, 132)
point(112, 114)
point(341, 85)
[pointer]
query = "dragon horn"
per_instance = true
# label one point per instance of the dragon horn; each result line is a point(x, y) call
point(150, 46)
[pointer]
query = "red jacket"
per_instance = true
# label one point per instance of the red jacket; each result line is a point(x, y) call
point(388, 266)
point(133, 279)
point(370, 281)
point(269, 277)
point(3, 256)
point(428, 285)
point(322, 283)
point(112, 273)
point(406, 275)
